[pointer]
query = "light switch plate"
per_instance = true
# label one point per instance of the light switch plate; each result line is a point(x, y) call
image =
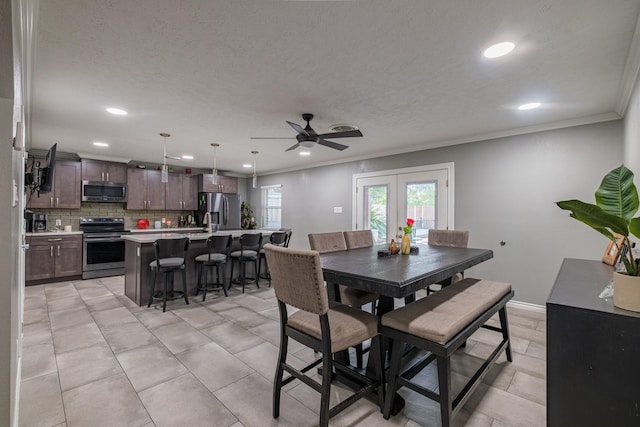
point(337, 209)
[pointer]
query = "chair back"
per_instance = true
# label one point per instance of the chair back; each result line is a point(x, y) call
point(278, 238)
point(451, 238)
point(171, 248)
point(327, 242)
point(296, 275)
point(251, 242)
point(219, 245)
point(289, 233)
point(358, 239)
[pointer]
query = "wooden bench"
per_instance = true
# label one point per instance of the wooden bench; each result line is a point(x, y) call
point(440, 324)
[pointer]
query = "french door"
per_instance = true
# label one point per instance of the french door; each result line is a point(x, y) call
point(384, 201)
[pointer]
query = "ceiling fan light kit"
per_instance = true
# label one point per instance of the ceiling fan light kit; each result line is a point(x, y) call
point(308, 138)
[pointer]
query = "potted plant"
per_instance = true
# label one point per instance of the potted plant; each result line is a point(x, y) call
point(613, 214)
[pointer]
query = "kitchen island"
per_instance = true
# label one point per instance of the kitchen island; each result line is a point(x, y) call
point(139, 253)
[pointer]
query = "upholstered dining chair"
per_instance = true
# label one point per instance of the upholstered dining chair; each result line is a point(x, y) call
point(333, 242)
point(297, 282)
point(451, 238)
point(358, 239)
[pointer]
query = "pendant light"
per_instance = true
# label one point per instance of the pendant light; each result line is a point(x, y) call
point(255, 177)
point(215, 178)
point(165, 169)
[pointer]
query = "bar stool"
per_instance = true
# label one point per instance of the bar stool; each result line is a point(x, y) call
point(171, 255)
point(219, 247)
point(250, 244)
point(277, 238)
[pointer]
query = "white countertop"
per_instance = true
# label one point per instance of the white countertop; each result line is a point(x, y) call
point(152, 237)
point(169, 230)
point(53, 233)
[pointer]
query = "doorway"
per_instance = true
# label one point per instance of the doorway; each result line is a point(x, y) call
point(384, 200)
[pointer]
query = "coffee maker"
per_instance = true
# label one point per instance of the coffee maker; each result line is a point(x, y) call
point(35, 222)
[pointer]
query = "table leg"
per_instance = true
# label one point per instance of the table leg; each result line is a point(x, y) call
point(385, 305)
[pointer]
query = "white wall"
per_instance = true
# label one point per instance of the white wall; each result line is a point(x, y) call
point(505, 189)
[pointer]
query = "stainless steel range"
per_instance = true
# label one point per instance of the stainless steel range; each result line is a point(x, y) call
point(102, 247)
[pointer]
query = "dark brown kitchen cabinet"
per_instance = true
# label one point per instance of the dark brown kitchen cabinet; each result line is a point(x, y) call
point(181, 192)
point(145, 189)
point(97, 170)
point(65, 191)
point(53, 257)
point(227, 184)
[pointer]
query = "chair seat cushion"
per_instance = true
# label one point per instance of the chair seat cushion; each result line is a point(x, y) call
point(167, 262)
point(349, 326)
point(216, 258)
point(244, 254)
point(355, 297)
point(440, 316)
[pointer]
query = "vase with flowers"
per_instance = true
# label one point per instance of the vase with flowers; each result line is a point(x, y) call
point(405, 245)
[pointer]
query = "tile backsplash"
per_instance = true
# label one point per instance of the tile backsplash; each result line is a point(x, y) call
point(116, 210)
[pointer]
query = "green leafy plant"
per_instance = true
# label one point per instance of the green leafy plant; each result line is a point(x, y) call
point(616, 204)
point(247, 219)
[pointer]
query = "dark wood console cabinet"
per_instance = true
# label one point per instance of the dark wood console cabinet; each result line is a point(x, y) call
point(593, 352)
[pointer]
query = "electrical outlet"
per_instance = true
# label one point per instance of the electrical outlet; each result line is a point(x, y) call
point(337, 209)
point(58, 222)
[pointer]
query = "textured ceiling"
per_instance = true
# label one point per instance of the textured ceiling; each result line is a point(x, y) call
point(410, 74)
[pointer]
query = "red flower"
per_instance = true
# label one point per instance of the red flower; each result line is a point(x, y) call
point(410, 222)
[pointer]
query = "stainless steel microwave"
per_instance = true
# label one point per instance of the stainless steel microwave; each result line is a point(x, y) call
point(99, 191)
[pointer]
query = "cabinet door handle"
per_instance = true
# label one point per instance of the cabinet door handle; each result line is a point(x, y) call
point(51, 202)
point(55, 240)
point(51, 248)
point(57, 201)
point(102, 175)
point(58, 250)
point(107, 176)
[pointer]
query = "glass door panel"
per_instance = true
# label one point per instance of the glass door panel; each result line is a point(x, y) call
point(424, 198)
point(375, 198)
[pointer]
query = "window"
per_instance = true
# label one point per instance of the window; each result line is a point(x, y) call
point(272, 206)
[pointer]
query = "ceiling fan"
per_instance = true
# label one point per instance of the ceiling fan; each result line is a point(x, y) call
point(307, 137)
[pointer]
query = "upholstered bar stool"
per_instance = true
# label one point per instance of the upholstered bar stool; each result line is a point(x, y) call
point(297, 281)
point(171, 255)
point(277, 238)
point(218, 247)
point(451, 238)
point(250, 244)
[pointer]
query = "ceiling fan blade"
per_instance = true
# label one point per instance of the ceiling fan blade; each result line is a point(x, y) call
point(293, 147)
point(172, 158)
point(272, 137)
point(298, 128)
point(345, 134)
point(333, 145)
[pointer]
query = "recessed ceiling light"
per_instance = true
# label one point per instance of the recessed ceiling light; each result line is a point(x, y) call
point(187, 157)
point(247, 165)
point(499, 49)
point(529, 106)
point(117, 111)
point(100, 144)
point(305, 153)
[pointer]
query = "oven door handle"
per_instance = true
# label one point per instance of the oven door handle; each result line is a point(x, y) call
point(102, 239)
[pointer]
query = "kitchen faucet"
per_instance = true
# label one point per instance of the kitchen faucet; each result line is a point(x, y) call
point(207, 219)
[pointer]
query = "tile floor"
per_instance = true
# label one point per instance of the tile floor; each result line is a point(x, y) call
point(91, 357)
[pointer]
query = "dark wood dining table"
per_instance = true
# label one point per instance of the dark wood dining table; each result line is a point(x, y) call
point(395, 276)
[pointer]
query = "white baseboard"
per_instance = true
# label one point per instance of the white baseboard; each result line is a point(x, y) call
point(527, 306)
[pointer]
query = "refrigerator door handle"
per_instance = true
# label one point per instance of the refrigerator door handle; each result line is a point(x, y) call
point(225, 205)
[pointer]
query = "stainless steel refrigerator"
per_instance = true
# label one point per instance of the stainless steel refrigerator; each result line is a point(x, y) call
point(224, 208)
